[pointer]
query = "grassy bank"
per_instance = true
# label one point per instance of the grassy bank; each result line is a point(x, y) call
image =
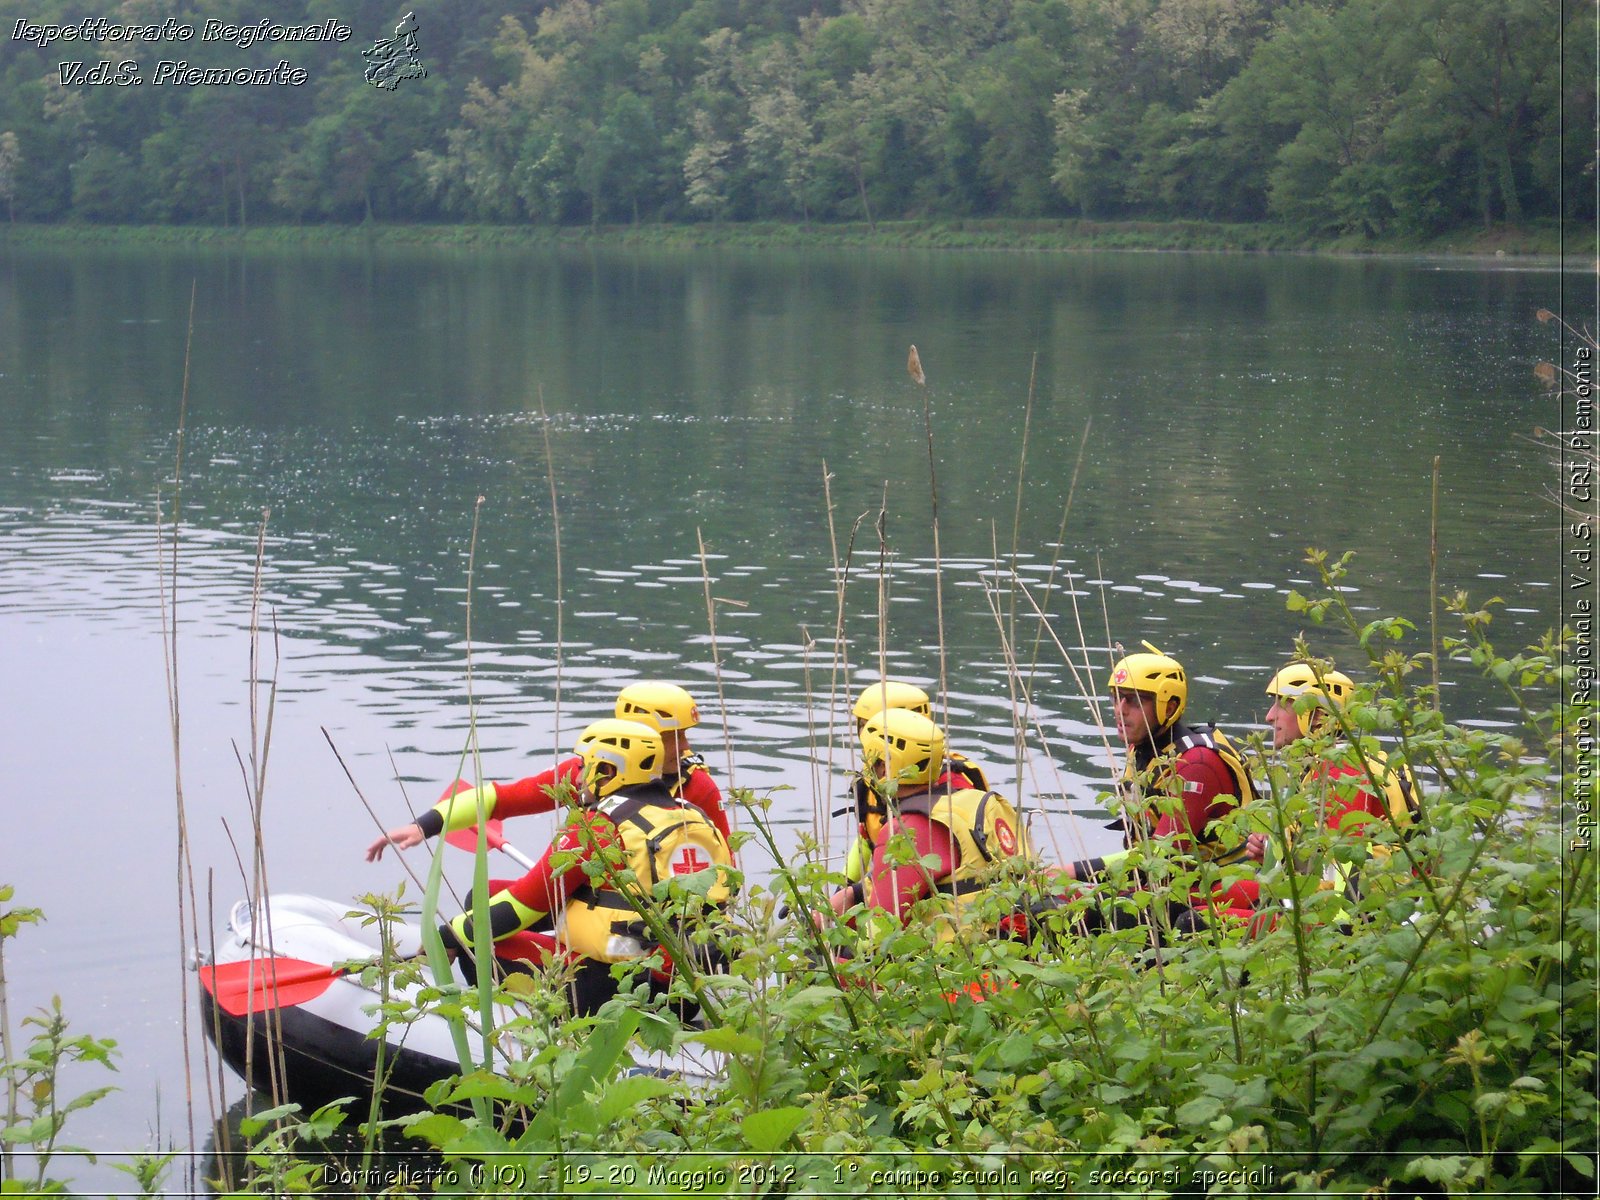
point(1539, 239)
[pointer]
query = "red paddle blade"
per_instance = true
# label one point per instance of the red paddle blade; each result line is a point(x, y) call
point(467, 839)
point(259, 985)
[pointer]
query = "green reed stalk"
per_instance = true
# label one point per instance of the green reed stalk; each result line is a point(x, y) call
point(388, 957)
point(10, 921)
point(432, 944)
point(439, 964)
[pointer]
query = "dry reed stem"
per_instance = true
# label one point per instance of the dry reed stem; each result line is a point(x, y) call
point(471, 749)
point(377, 821)
point(821, 807)
point(821, 810)
point(1085, 688)
point(1019, 748)
point(167, 587)
point(820, 771)
point(716, 656)
point(1433, 586)
point(883, 583)
point(1061, 537)
point(255, 792)
point(7, 1170)
point(1013, 673)
point(1084, 685)
point(555, 525)
point(1074, 826)
point(938, 564)
point(841, 662)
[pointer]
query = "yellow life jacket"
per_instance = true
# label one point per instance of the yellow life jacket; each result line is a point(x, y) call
point(1399, 797)
point(661, 839)
point(871, 811)
point(986, 830)
point(1399, 794)
point(963, 766)
point(1161, 778)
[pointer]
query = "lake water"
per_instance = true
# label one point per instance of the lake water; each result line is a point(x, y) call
point(1210, 417)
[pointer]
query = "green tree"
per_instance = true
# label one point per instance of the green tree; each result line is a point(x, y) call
point(1012, 103)
point(846, 135)
point(718, 115)
point(780, 142)
point(1334, 80)
point(507, 157)
point(10, 163)
point(1484, 63)
point(1201, 44)
point(106, 185)
point(1562, 154)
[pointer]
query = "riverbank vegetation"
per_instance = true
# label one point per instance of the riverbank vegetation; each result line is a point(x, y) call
point(1289, 124)
point(1545, 239)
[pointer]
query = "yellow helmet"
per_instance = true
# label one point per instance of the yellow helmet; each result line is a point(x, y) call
point(1154, 674)
point(1301, 679)
point(910, 746)
point(662, 706)
point(632, 750)
point(889, 694)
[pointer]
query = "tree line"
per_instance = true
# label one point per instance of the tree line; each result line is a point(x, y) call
point(1335, 117)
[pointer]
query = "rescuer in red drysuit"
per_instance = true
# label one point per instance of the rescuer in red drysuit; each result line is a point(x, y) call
point(624, 817)
point(1191, 775)
point(665, 707)
point(964, 829)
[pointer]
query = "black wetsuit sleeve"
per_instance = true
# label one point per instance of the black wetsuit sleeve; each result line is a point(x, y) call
point(503, 921)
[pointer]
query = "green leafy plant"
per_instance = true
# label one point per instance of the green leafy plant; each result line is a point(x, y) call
point(36, 1109)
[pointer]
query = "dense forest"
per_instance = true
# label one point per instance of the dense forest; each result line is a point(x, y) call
point(1334, 117)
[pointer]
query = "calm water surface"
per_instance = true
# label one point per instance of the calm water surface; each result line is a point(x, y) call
point(702, 410)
